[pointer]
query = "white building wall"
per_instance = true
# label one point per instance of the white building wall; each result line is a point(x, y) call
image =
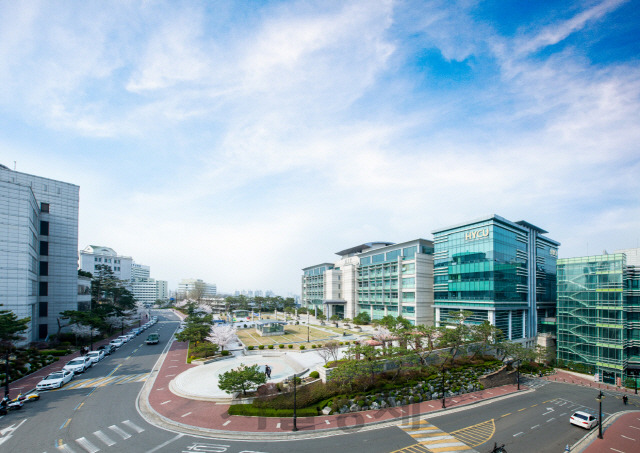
point(22, 198)
point(93, 255)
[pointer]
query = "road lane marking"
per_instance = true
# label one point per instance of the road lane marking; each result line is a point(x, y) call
point(104, 438)
point(65, 448)
point(627, 437)
point(634, 427)
point(506, 414)
point(65, 424)
point(278, 426)
point(79, 406)
point(168, 401)
point(188, 413)
point(84, 443)
point(133, 426)
point(517, 434)
point(161, 446)
point(552, 418)
point(327, 422)
point(534, 405)
point(476, 434)
point(369, 416)
point(534, 427)
point(520, 410)
point(122, 433)
point(617, 450)
point(114, 370)
point(226, 423)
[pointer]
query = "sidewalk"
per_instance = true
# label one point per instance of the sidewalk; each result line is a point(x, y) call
point(621, 433)
point(584, 380)
point(160, 406)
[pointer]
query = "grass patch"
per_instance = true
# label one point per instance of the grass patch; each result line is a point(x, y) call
point(248, 409)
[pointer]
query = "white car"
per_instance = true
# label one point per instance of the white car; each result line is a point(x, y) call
point(583, 420)
point(55, 380)
point(78, 365)
point(96, 356)
point(117, 343)
point(124, 338)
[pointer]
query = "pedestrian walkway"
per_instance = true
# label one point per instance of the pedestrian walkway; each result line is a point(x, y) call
point(622, 436)
point(104, 381)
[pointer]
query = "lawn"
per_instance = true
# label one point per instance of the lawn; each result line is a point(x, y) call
point(293, 334)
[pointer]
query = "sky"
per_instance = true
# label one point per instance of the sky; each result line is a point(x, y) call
point(241, 141)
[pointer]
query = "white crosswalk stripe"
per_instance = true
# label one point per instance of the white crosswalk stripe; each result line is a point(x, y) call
point(119, 431)
point(84, 443)
point(65, 448)
point(104, 438)
point(133, 426)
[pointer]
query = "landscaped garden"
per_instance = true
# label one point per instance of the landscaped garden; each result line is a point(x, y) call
point(408, 364)
point(292, 334)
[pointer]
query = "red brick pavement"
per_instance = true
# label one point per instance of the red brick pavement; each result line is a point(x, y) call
point(586, 381)
point(622, 436)
point(209, 415)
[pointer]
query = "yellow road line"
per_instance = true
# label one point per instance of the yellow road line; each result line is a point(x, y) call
point(66, 423)
point(520, 410)
point(506, 414)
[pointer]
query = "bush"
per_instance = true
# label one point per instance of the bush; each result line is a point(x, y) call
point(281, 346)
point(225, 353)
point(204, 349)
point(314, 375)
point(313, 346)
point(301, 347)
point(55, 352)
point(248, 409)
point(261, 346)
point(270, 346)
point(250, 348)
point(290, 346)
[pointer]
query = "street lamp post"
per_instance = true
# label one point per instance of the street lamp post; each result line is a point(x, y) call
point(308, 326)
point(518, 374)
point(443, 392)
point(599, 400)
point(6, 374)
point(295, 427)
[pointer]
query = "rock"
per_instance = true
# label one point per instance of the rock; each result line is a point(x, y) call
point(354, 408)
point(326, 410)
point(344, 409)
point(392, 401)
point(384, 405)
point(411, 399)
point(375, 405)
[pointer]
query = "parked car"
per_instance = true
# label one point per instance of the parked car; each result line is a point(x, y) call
point(96, 356)
point(153, 338)
point(107, 348)
point(116, 343)
point(583, 420)
point(55, 380)
point(78, 365)
point(124, 338)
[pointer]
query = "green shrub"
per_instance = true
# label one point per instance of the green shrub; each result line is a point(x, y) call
point(314, 375)
point(248, 409)
point(55, 352)
point(313, 346)
point(281, 346)
point(290, 346)
point(250, 348)
point(225, 353)
point(270, 346)
point(301, 347)
point(261, 346)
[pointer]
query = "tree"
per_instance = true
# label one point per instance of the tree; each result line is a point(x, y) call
point(330, 351)
point(198, 291)
point(455, 337)
point(242, 379)
point(221, 335)
point(482, 335)
point(10, 329)
point(362, 318)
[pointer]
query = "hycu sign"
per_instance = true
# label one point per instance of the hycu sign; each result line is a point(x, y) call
point(476, 234)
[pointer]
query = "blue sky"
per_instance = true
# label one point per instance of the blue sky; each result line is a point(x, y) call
point(239, 142)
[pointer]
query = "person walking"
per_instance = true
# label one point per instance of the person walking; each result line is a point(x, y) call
point(625, 399)
point(267, 371)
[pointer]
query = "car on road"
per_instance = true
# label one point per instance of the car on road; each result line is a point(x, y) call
point(153, 338)
point(124, 338)
point(78, 365)
point(116, 343)
point(55, 380)
point(107, 348)
point(583, 420)
point(96, 356)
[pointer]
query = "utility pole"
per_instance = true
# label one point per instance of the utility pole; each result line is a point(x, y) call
point(599, 400)
point(443, 402)
point(295, 427)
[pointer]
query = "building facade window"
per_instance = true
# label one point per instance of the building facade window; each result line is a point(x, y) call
point(44, 207)
point(44, 248)
point(44, 228)
point(44, 268)
point(43, 289)
point(43, 309)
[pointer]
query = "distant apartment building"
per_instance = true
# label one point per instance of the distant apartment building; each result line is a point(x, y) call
point(38, 239)
point(137, 277)
point(94, 255)
point(501, 271)
point(378, 278)
point(188, 285)
point(599, 314)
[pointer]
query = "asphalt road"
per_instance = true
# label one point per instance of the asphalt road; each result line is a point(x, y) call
point(97, 412)
point(533, 422)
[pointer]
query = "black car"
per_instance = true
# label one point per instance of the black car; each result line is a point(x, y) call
point(108, 348)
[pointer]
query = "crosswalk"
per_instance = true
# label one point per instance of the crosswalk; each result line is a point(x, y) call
point(533, 383)
point(106, 380)
point(431, 439)
point(102, 438)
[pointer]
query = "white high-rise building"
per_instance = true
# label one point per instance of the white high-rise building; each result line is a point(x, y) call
point(94, 255)
point(187, 285)
point(39, 242)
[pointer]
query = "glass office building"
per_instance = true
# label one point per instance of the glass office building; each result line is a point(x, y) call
point(313, 286)
point(599, 315)
point(501, 271)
